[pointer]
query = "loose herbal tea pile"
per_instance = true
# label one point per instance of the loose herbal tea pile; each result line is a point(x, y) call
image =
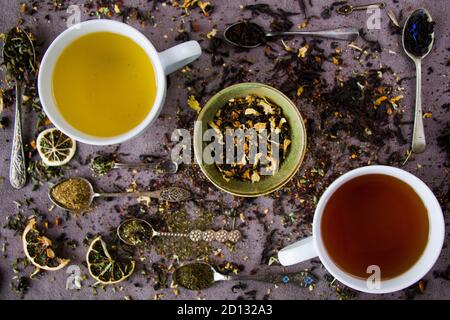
point(252, 114)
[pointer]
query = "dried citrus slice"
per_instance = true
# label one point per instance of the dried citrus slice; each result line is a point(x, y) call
point(38, 249)
point(55, 148)
point(103, 267)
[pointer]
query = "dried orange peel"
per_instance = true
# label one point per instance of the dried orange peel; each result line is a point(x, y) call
point(39, 251)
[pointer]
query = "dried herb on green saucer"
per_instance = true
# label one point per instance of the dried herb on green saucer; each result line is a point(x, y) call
point(260, 115)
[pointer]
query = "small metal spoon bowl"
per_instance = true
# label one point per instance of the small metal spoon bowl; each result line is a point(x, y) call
point(430, 19)
point(227, 38)
point(92, 195)
point(216, 275)
point(10, 36)
point(143, 223)
point(168, 166)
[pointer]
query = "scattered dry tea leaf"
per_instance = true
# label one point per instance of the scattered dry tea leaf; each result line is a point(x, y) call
point(302, 51)
point(194, 104)
point(212, 33)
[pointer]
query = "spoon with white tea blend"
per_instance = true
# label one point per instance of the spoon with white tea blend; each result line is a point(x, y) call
point(19, 58)
point(249, 35)
point(417, 40)
point(200, 276)
point(77, 194)
point(137, 232)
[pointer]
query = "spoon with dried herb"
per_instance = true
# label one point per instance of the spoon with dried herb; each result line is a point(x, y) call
point(103, 164)
point(200, 275)
point(249, 35)
point(137, 232)
point(19, 59)
point(418, 39)
point(77, 194)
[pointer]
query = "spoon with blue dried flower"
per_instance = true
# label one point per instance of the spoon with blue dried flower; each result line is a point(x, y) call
point(77, 194)
point(200, 275)
point(418, 39)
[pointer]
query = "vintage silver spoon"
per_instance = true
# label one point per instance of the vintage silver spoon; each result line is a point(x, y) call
point(418, 140)
point(346, 34)
point(346, 9)
point(170, 194)
point(165, 166)
point(301, 279)
point(142, 231)
point(26, 54)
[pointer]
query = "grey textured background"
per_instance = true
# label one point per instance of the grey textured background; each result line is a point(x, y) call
point(427, 166)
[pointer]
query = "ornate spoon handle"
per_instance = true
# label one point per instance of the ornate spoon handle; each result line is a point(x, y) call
point(17, 172)
point(208, 235)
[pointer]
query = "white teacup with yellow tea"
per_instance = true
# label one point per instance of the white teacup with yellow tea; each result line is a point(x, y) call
point(102, 82)
point(376, 229)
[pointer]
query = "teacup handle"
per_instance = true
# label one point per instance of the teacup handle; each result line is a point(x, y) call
point(297, 252)
point(177, 57)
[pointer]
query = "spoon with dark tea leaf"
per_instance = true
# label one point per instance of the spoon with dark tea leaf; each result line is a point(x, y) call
point(417, 40)
point(251, 35)
point(77, 194)
point(200, 275)
point(136, 232)
point(20, 60)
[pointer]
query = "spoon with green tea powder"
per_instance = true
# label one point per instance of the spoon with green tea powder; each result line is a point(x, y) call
point(77, 194)
point(417, 40)
point(101, 165)
point(249, 35)
point(136, 232)
point(200, 275)
point(20, 60)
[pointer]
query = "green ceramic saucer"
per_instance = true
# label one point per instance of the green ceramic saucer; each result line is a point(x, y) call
point(288, 167)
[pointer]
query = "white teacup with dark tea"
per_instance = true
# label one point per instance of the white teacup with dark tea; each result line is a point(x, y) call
point(376, 229)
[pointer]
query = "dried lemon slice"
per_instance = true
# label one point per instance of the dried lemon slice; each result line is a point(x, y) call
point(38, 249)
point(55, 148)
point(103, 267)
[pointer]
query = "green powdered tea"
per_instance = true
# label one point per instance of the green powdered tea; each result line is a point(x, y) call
point(194, 276)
